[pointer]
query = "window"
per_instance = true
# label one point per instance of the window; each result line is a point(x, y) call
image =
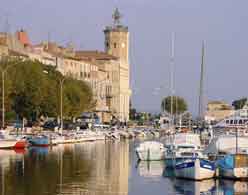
point(240, 122)
point(235, 122)
point(231, 122)
point(115, 45)
point(227, 121)
point(107, 44)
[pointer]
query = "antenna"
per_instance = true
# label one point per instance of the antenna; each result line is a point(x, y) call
point(200, 106)
point(7, 25)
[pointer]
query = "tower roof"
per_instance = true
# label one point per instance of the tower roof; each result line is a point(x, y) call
point(117, 17)
point(117, 26)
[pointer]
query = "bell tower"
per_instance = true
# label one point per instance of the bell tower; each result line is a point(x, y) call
point(117, 44)
point(117, 38)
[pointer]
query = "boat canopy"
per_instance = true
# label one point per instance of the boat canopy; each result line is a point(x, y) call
point(184, 140)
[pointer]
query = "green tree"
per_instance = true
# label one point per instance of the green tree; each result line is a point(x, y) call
point(33, 90)
point(179, 104)
point(239, 104)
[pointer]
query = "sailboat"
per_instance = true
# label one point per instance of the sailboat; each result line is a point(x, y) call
point(196, 168)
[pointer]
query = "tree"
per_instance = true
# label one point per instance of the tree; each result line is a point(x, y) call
point(179, 104)
point(239, 104)
point(132, 111)
point(32, 90)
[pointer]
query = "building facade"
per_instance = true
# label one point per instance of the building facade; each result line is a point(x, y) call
point(106, 72)
point(217, 111)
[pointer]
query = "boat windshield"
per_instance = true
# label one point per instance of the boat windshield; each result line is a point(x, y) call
point(185, 147)
point(191, 154)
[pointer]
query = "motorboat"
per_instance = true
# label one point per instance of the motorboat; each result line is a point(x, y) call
point(150, 150)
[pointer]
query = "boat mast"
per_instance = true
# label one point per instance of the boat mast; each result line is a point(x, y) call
point(172, 61)
point(200, 106)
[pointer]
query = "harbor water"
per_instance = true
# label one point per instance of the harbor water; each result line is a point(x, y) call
point(97, 168)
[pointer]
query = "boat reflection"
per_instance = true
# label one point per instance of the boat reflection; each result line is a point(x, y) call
point(150, 169)
point(231, 187)
point(194, 187)
point(38, 151)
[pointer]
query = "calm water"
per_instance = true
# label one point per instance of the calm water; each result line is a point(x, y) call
point(100, 168)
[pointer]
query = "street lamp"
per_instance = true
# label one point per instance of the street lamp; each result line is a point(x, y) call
point(61, 82)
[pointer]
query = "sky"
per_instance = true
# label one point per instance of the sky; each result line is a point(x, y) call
point(221, 23)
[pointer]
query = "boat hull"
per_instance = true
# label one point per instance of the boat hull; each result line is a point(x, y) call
point(7, 144)
point(150, 155)
point(197, 169)
point(171, 162)
point(39, 141)
point(21, 144)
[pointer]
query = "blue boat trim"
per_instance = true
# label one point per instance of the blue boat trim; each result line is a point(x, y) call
point(185, 165)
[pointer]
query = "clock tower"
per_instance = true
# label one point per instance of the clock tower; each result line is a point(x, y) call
point(117, 38)
point(117, 44)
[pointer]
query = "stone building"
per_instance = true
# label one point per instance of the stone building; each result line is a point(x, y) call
point(217, 111)
point(117, 44)
point(107, 72)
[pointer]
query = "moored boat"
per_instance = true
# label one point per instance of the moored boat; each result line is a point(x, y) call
point(195, 169)
point(7, 144)
point(41, 141)
point(21, 144)
point(233, 166)
point(150, 150)
point(181, 147)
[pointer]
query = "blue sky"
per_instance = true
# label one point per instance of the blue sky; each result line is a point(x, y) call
point(222, 24)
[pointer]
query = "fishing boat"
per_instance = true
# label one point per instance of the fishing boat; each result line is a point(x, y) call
point(40, 140)
point(180, 147)
point(233, 166)
point(195, 169)
point(150, 150)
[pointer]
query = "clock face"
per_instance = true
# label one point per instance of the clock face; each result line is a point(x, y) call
point(123, 45)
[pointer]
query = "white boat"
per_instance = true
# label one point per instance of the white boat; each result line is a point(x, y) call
point(8, 143)
point(227, 144)
point(150, 150)
point(233, 166)
point(180, 147)
point(238, 120)
point(195, 169)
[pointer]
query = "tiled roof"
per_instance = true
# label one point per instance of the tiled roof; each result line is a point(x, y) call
point(94, 55)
